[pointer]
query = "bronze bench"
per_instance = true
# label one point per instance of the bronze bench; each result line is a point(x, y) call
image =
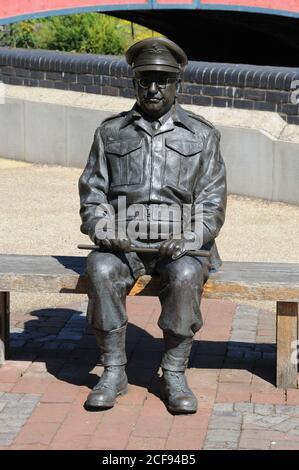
point(277, 282)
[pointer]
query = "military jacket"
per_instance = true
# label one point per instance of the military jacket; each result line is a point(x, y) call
point(176, 162)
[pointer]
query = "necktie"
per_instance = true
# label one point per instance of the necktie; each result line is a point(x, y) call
point(155, 125)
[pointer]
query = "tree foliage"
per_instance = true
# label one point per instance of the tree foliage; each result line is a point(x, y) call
point(89, 32)
point(19, 35)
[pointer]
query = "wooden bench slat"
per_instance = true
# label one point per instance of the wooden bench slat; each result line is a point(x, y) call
point(41, 265)
point(63, 274)
point(34, 264)
point(222, 289)
point(260, 266)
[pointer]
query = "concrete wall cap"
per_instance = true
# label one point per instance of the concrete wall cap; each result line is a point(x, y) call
point(266, 122)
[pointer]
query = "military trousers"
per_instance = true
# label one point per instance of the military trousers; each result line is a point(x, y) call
point(111, 275)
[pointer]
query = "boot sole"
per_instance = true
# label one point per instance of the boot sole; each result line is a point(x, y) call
point(181, 411)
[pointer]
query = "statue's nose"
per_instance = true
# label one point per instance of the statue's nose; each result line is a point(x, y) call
point(153, 87)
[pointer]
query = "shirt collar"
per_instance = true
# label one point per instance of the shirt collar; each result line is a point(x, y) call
point(131, 116)
point(177, 113)
point(181, 116)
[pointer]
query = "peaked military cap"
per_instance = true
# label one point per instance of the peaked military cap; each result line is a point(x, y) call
point(158, 54)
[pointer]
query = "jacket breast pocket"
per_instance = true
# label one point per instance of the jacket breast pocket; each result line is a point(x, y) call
point(182, 162)
point(126, 161)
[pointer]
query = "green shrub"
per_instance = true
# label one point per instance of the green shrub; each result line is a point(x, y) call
point(19, 35)
point(89, 32)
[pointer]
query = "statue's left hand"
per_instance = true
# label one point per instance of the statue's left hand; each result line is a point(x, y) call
point(173, 249)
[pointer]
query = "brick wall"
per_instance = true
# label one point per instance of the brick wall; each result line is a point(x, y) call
point(205, 84)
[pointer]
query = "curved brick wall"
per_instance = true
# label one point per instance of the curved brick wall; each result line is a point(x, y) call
point(205, 84)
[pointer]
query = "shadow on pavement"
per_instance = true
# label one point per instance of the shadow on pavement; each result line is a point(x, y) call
point(61, 339)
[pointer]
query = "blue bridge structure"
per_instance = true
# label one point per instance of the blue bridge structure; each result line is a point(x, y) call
point(262, 32)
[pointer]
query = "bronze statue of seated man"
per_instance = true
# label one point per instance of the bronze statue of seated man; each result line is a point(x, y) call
point(155, 157)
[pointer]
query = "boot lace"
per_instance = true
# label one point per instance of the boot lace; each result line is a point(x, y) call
point(179, 382)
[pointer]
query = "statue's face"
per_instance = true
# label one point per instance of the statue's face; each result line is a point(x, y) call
point(155, 92)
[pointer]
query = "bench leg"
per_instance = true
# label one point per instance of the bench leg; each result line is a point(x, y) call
point(287, 340)
point(4, 326)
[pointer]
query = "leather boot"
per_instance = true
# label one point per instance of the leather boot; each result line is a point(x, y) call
point(113, 381)
point(175, 390)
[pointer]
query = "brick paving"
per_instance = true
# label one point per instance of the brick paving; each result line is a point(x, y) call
point(55, 362)
point(252, 426)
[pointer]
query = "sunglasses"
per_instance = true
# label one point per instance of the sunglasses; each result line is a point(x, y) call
point(160, 82)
